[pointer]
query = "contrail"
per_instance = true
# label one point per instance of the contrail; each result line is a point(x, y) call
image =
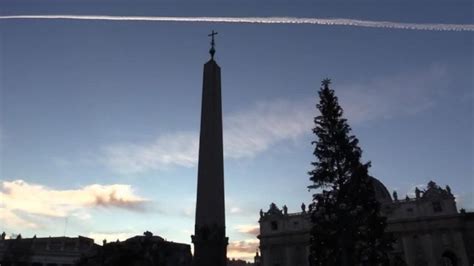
point(264, 20)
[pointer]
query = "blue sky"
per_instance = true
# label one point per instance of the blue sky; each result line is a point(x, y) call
point(99, 120)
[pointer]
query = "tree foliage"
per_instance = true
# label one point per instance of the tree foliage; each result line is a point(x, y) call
point(347, 226)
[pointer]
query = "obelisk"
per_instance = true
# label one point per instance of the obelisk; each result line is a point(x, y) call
point(209, 239)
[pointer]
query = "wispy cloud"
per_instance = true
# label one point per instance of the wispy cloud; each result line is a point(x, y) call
point(466, 201)
point(244, 249)
point(249, 229)
point(257, 128)
point(399, 94)
point(235, 210)
point(252, 131)
point(19, 197)
point(264, 20)
point(270, 122)
point(179, 149)
point(11, 218)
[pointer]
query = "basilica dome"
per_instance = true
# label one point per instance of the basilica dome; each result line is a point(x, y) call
point(381, 192)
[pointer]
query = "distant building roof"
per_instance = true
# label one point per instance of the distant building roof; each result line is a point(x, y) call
point(381, 192)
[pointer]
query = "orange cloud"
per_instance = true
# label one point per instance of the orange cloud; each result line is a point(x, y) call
point(19, 196)
point(244, 249)
point(253, 230)
point(10, 217)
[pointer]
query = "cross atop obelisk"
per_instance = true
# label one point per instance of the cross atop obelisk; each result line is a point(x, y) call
point(213, 50)
point(209, 239)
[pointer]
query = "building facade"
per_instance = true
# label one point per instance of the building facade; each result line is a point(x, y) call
point(143, 250)
point(428, 228)
point(47, 251)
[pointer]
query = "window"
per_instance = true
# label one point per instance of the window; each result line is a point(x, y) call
point(274, 225)
point(437, 206)
point(410, 210)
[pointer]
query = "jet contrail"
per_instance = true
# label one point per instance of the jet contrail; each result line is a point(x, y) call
point(265, 20)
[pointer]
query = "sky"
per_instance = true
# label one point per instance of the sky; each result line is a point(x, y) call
point(99, 120)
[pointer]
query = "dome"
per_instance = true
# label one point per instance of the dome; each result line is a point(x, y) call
point(381, 192)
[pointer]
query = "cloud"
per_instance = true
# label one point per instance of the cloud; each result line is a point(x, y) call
point(244, 249)
point(179, 149)
point(188, 212)
point(250, 132)
point(271, 122)
point(256, 129)
point(465, 200)
point(235, 210)
point(249, 229)
point(19, 197)
point(386, 97)
point(11, 218)
point(265, 20)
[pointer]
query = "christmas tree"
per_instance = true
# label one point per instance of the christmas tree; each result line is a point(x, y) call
point(347, 226)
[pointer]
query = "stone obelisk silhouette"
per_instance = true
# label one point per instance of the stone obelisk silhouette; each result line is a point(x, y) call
point(209, 239)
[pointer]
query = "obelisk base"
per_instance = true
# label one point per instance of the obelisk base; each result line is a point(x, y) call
point(210, 246)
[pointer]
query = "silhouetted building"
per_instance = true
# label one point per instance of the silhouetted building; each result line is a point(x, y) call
point(46, 251)
point(428, 230)
point(257, 259)
point(284, 237)
point(237, 262)
point(145, 250)
point(209, 239)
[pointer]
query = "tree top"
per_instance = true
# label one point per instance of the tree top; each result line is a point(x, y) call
point(326, 82)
